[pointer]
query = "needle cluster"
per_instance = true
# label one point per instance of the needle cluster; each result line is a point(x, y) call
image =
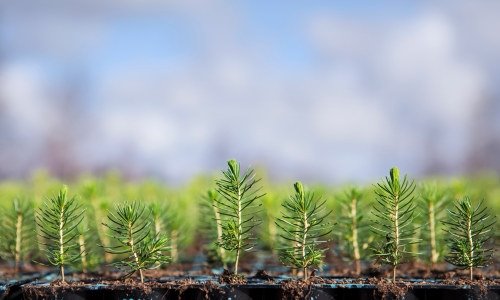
point(469, 230)
point(393, 223)
point(130, 228)
point(352, 226)
point(88, 242)
point(57, 221)
point(213, 226)
point(434, 200)
point(303, 226)
point(237, 204)
point(18, 229)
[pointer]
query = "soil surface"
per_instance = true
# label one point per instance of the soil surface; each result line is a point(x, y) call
point(215, 287)
point(214, 283)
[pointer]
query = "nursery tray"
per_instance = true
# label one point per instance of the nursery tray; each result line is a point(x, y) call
point(11, 288)
point(207, 287)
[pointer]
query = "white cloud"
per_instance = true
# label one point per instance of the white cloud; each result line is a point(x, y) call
point(424, 61)
point(27, 100)
point(371, 97)
point(418, 77)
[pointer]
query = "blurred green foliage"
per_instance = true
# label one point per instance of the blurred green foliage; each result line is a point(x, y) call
point(183, 217)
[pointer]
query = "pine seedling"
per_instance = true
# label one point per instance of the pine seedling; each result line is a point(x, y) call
point(158, 213)
point(470, 229)
point(434, 200)
point(159, 221)
point(352, 225)
point(212, 205)
point(174, 227)
point(303, 225)
point(394, 214)
point(82, 230)
point(17, 227)
point(88, 241)
point(129, 226)
point(168, 219)
point(57, 221)
point(92, 192)
point(237, 204)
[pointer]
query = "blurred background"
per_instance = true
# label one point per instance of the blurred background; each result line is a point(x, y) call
point(325, 91)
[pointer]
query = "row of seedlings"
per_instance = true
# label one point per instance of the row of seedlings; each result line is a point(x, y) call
point(305, 229)
point(136, 234)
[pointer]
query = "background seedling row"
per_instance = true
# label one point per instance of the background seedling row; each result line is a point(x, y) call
point(241, 213)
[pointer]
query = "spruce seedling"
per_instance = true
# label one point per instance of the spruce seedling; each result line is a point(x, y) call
point(394, 213)
point(57, 221)
point(129, 226)
point(434, 200)
point(17, 228)
point(303, 225)
point(351, 221)
point(469, 228)
point(239, 195)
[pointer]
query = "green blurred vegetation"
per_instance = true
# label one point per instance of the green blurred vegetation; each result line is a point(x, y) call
point(180, 211)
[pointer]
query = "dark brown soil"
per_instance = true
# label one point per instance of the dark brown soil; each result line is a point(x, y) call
point(296, 289)
point(58, 287)
point(387, 289)
point(207, 288)
point(299, 289)
point(289, 289)
point(231, 278)
point(406, 271)
point(423, 271)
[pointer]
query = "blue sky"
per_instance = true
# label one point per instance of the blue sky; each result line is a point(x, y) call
point(329, 91)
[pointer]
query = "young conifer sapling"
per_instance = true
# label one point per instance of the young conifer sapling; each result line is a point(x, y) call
point(470, 229)
point(212, 199)
point(158, 212)
point(394, 213)
point(17, 232)
point(91, 255)
point(130, 227)
point(237, 204)
point(57, 221)
point(434, 200)
point(97, 204)
point(351, 221)
point(166, 219)
point(303, 226)
point(175, 224)
point(82, 243)
point(160, 217)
